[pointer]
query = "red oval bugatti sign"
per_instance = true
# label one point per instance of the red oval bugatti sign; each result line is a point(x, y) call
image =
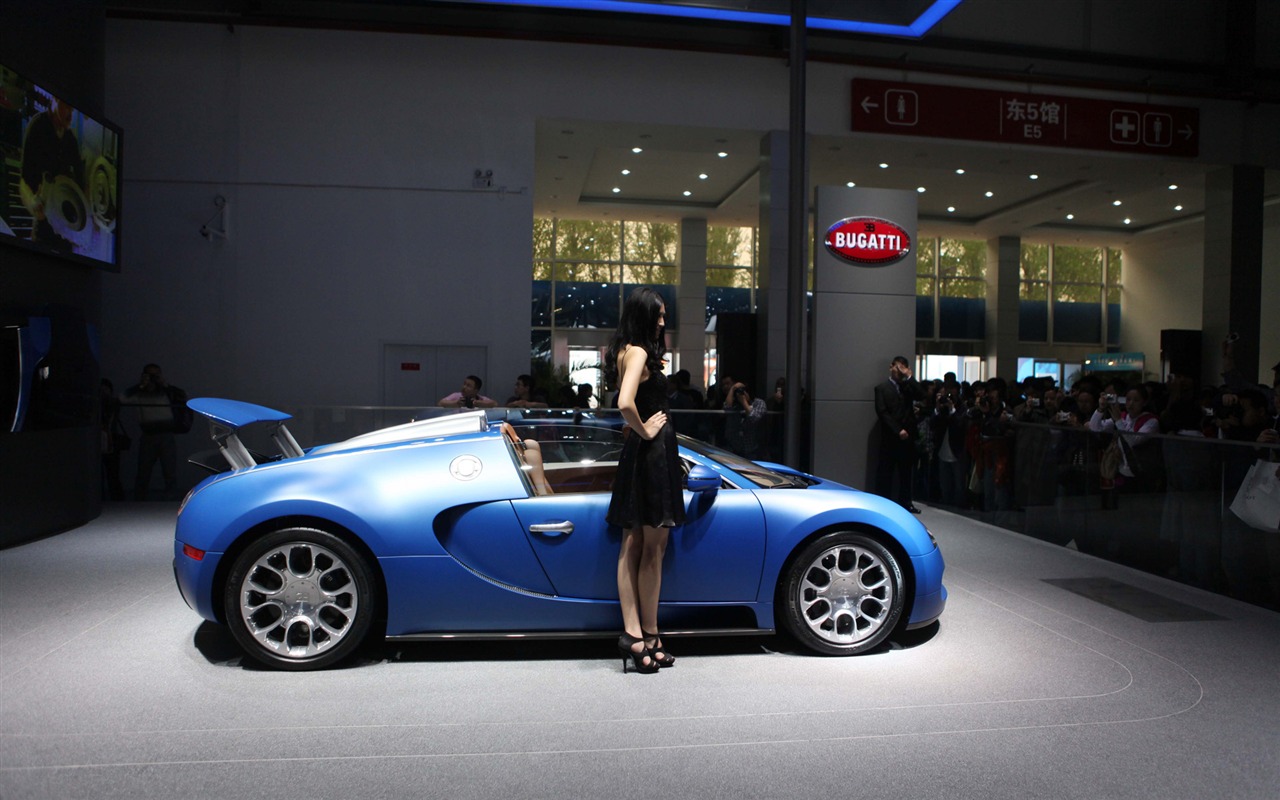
point(869, 241)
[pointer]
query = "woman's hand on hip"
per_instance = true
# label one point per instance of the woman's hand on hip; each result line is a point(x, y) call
point(654, 425)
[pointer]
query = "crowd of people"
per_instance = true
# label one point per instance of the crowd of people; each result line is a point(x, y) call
point(1005, 450)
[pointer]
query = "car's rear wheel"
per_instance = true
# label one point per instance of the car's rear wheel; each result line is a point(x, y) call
point(299, 598)
point(843, 594)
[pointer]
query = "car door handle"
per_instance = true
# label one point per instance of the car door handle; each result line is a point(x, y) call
point(552, 528)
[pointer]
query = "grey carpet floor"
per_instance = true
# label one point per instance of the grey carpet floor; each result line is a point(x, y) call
point(1052, 674)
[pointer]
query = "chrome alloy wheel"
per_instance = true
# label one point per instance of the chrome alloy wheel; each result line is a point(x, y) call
point(846, 594)
point(299, 600)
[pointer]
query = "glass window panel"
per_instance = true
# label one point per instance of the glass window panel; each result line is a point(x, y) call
point(962, 258)
point(1033, 290)
point(540, 347)
point(925, 250)
point(1113, 323)
point(588, 240)
point(650, 274)
point(540, 314)
point(728, 300)
point(602, 273)
point(962, 318)
point(1113, 267)
point(959, 287)
point(587, 305)
point(1033, 320)
point(1077, 323)
point(1035, 262)
point(541, 271)
point(1077, 293)
point(730, 246)
point(543, 243)
point(924, 285)
point(1113, 296)
point(924, 317)
point(735, 277)
point(1077, 264)
point(650, 241)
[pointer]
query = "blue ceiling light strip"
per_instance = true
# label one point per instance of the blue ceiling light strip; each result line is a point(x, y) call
point(930, 17)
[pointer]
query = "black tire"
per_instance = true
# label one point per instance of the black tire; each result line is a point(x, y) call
point(299, 599)
point(842, 594)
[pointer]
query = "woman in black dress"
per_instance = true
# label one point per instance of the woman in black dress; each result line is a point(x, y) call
point(647, 497)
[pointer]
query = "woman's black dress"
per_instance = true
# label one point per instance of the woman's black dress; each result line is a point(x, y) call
point(647, 489)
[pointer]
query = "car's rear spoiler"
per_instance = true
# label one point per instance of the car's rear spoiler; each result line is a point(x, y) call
point(227, 417)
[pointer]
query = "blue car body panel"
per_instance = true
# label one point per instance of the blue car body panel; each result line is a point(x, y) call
point(463, 545)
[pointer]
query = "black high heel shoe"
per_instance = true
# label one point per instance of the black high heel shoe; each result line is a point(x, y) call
point(643, 660)
point(666, 659)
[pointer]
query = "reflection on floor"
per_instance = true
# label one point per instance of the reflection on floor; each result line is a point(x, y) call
point(1048, 676)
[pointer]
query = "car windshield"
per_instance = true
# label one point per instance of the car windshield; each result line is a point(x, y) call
point(759, 475)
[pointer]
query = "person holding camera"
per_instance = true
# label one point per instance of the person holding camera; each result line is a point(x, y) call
point(742, 420)
point(162, 412)
point(896, 419)
point(950, 424)
point(469, 397)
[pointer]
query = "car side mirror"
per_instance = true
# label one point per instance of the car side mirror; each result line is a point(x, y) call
point(702, 479)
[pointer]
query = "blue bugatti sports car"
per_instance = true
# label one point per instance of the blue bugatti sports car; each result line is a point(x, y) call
point(463, 527)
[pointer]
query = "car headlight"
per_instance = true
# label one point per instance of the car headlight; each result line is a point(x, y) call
point(932, 538)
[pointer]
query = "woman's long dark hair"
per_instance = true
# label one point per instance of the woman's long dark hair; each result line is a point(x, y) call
point(638, 327)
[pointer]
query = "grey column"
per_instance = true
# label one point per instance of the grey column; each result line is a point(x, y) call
point(1004, 257)
point(1232, 300)
point(862, 318)
point(691, 297)
point(771, 278)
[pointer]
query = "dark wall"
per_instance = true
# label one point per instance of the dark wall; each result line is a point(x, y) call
point(51, 476)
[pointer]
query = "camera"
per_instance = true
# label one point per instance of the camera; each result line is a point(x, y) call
point(1033, 402)
point(1108, 398)
point(1063, 416)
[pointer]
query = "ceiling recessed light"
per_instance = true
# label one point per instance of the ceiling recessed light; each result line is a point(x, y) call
point(722, 154)
point(637, 149)
point(616, 190)
point(1034, 177)
point(1071, 216)
point(626, 172)
point(851, 184)
point(959, 172)
point(991, 194)
point(1127, 220)
point(1115, 202)
point(702, 176)
point(687, 192)
point(951, 209)
point(1173, 186)
point(920, 189)
point(883, 165)
point(1177, 208)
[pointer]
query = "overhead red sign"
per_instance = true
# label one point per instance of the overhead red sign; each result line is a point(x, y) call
point(995, 115)
point(868, 241)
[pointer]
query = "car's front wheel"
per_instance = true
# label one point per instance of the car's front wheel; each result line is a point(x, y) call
point(299, 598)
point(843, 594)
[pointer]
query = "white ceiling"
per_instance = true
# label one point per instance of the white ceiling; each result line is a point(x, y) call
point(579, 164)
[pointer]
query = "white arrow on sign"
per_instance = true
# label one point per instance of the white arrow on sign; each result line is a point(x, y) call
point(1186, 131)
point(867, 105)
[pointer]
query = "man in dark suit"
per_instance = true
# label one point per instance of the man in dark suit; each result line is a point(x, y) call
point(896, 417)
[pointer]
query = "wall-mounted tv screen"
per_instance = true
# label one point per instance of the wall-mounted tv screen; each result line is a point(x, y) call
point(61, 192)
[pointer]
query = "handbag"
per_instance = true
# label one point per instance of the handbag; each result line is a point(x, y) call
point(1257, 502)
